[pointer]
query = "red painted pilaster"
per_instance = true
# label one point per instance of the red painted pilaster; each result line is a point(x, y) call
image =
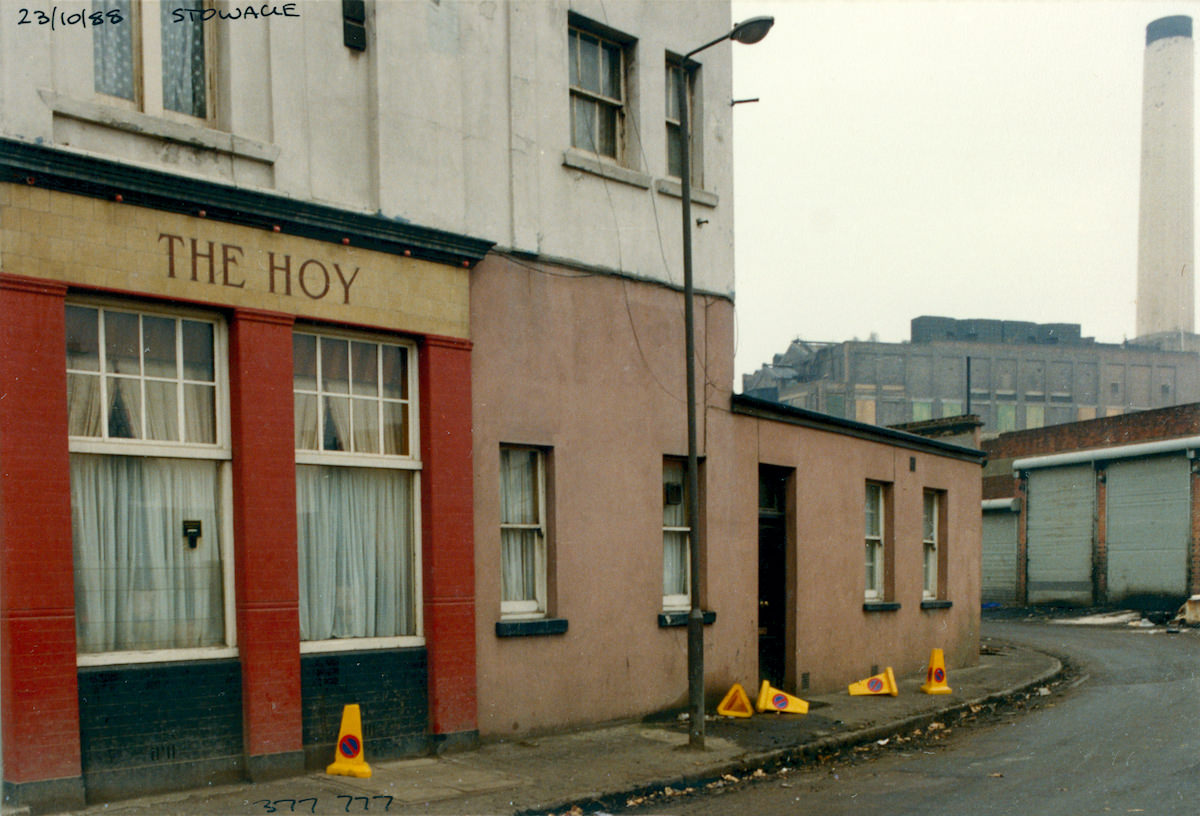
point(1022, 495)
point(264, 518)
point(39, 697)
point(447, 529)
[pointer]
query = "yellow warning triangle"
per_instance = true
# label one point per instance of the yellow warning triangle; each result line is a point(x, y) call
point(736, 703)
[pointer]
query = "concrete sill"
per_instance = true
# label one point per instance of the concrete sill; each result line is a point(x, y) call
point(674, 188)
point(588, 163)
point(531, 628)
point(936, 604)
point(669, 619)
point(880, 606)
point(193, 135)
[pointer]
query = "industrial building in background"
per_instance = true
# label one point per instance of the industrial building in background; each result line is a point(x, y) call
point(1011, 374)
point(1014, 374)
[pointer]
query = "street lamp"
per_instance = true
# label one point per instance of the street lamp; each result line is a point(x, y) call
point(746, 32)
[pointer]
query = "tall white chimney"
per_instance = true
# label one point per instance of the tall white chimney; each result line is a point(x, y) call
point(1165, 295)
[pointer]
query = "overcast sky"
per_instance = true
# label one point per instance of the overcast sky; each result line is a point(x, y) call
point(968, 159)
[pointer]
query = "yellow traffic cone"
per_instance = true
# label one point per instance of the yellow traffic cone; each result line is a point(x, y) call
point(772, 699)
point(884, 683)
point(935, 677)
point(736, 703)
point(348, 757)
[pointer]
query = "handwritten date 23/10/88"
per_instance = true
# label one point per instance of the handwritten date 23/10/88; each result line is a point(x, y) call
point(309, 805)
point(67, 17)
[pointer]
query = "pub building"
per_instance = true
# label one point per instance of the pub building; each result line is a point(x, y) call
point(208, 392)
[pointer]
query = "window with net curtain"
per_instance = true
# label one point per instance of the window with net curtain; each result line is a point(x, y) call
point(874, 541)
point(356, 487)
point(143, 401)
point(931, 536)
point(522, 532)
point(120, 55)
point(676, 533)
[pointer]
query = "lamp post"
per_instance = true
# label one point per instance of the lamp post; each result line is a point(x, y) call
point(747, 32)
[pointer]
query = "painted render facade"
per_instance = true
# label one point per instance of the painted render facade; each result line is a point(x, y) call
point(383, 261)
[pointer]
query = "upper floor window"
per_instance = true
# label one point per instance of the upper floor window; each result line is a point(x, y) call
point(675, 75)
point(598, 93)
point(156, 57)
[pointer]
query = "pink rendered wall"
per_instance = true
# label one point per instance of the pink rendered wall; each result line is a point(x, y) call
point(837, 641)
point(591, 368)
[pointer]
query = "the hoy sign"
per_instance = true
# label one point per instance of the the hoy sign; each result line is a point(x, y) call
point(221, 264)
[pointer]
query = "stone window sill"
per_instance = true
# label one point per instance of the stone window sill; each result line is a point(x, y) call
point(667, 620)
point(880, 606)
point(588, 163)
point(936, 604)
point(674, 188)
point(533, 627)
point(145, 125)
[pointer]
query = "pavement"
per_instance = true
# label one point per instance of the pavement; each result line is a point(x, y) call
point(603, 768)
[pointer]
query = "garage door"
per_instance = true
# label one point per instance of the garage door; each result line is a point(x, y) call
point(1061, 507)
point(1149, 520)
point(1000, 556)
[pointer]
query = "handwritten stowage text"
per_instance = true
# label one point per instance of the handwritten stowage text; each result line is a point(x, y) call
point(65, 17)
point(249, 12)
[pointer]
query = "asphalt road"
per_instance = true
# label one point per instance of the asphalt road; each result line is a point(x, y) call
point(1125, 738)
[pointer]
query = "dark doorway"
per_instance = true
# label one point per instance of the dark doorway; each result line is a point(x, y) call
point(772, 574)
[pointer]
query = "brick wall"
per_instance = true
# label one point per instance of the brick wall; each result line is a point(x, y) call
point(389, 686)
point(448, 535)
point(264, 513)
point(39, 710)
point(1126, 429)
point(160, 726)
point(1139, 426)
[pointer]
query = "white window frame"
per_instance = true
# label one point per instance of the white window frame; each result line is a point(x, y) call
point(411, 462)
point(675, 603)
point(536, 608)
point(875, 543)
point(931, 535)
point(620, 105)
point(221, 451)
point(147, 62)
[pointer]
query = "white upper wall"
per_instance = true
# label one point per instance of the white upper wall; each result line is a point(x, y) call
point(457, 117)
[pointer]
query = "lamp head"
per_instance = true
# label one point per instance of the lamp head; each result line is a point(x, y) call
point(751, 31)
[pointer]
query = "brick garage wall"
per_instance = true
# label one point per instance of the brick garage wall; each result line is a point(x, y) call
point(160, 727)
point(390, 687)
point(1126, 429)
point(1139, 426)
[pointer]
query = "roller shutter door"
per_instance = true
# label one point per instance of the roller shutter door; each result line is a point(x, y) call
point(1000, 556)
point(1061, 507)
point(1149, 520)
